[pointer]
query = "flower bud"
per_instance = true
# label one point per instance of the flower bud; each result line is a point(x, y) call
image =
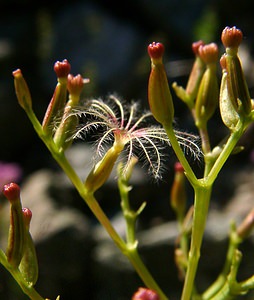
point(28, 265)
point(245, 228)
point(62, 69)
point(208, 92)
point(101, 171)
point(189, 94)
point(22, 90)
point(62, 137)
point(145, 294)
point(159, 96)
point(16, 237)
point(236, 83)
point(75, 87)
point(178, 195)
point(227, 103)
point(58, 101)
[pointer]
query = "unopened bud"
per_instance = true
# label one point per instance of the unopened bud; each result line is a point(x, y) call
point(236, 82)
point(189, 94)
point(16, 237)
point(101, 171)
point(245, 228)
point(145, 294)
point(58, 101)
point(228, 104)
point(231, 38)
point(69, 121)
point(178, 195)
point(75, 86)
point(28, 266)
point(159, 95)
point(208, 92)
point(22, 90)
point(62, 68)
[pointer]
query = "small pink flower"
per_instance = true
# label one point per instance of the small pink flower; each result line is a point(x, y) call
point(9, 172)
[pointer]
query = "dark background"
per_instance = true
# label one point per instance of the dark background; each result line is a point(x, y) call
point(103, 41)
point(106, 41)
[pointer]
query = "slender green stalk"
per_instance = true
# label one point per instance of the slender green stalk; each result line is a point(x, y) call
point(225, 153)
point(180, 155)
point(26, 288)
point(202, 199)
point(88, 197)
point(213, 289)
point(144, 274)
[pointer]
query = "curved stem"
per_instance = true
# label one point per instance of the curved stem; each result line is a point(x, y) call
point(26, 288)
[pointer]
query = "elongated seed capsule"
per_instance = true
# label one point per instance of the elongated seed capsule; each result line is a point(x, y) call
point(16, 238)
point(189, 94)
point(22, 90)
point(62, 136)
point(237, 85)
point(101, 171)
point(208, 92)
point(58, 100)
point(159, 95)
point(228, 106)
point(29, 264)
point(178, 195)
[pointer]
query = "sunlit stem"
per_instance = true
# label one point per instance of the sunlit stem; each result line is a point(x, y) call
point(180, 155)
point(130, 252)
point(201, 204)
point(26, 288)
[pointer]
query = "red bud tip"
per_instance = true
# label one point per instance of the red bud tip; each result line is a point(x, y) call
point(196, 45)
point(231, 37)
point(17, 73)
point(155, 50)
point(178, 167)
point(75, 84)
point(223, 62)
point(62, 69)
point(11, 191)
point(145, 294)
point(27, 216)
point(209, 53)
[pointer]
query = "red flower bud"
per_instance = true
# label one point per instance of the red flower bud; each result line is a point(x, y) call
point(27, 214)
point(156, 50)
point(178, 195)
point(209, 53)
point(196, 45)
point(16, 237)
point(75, 85)
point(145, 294)
point(62, 69)
point(29, 265)
point(231, 37)
point(159, 96)
point(12, 192)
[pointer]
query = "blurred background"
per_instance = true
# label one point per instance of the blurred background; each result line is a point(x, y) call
point(105, 41)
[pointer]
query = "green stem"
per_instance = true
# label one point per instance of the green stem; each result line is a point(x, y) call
point(26, 288)
point(225, 153)
point(88, 197)
point(202, 199)
point(144, 274)
point(180, 155)
point(234, 242)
